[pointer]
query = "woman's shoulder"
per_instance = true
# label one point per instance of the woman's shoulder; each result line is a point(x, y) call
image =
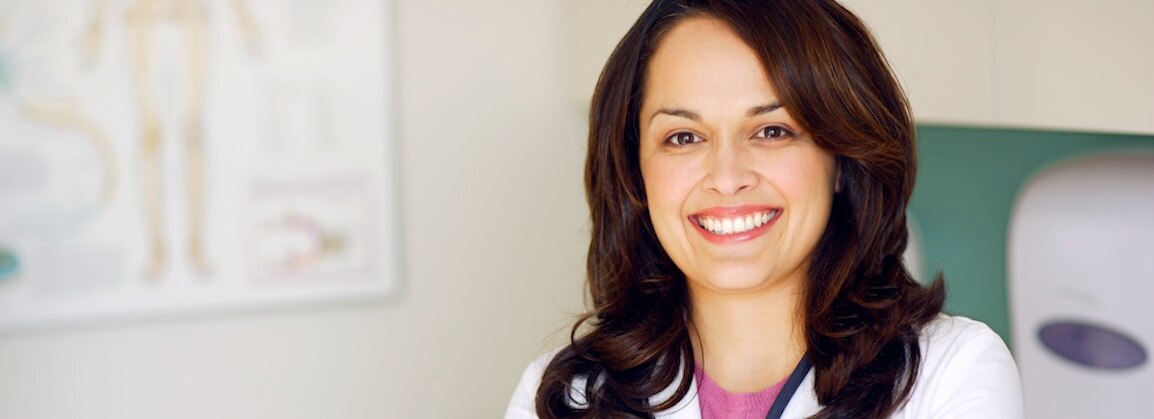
point(955, 342)
point(523, 404)
point(966, 370)
point(948, 333)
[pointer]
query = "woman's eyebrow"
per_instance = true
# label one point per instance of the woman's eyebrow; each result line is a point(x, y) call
point(677, 112)
point(764, 109)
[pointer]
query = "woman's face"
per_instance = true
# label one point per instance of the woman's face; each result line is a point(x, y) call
point(737, 193)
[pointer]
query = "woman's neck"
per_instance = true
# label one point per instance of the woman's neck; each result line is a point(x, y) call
point(747, 342)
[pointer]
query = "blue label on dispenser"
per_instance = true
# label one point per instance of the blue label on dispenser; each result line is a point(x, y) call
point(1092, 346)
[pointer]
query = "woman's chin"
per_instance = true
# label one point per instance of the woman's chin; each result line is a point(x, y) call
point(736, 284)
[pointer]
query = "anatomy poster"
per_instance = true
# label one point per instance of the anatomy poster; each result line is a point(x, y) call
point(161, 157)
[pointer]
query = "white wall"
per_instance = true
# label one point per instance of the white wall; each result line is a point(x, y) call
point(495, 232)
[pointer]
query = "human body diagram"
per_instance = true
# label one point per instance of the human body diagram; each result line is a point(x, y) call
point(188, 19)
point(168, 156)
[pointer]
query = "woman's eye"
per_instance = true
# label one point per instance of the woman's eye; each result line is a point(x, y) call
point(774, 133)
point(682, 138)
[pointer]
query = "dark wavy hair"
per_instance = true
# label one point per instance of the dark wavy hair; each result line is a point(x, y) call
point(863, 310)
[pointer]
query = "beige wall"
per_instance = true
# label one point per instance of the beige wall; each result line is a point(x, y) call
point(495, 230)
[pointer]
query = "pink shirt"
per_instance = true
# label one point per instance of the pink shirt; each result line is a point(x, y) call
point(717, 403)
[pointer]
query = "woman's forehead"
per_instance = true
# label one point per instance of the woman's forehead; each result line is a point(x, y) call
point(702, 64)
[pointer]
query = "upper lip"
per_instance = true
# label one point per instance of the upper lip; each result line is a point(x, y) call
point(733, 211)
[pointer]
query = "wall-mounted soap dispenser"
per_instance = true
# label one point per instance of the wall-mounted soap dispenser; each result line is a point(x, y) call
point(1081, 282)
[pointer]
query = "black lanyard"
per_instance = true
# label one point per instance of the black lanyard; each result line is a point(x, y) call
point(790, 387)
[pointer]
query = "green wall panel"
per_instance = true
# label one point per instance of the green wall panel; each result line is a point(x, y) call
point(967, 181)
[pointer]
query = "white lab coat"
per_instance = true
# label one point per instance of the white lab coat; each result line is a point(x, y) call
point(966, 372)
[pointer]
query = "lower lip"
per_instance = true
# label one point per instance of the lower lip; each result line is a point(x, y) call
point(735, 238)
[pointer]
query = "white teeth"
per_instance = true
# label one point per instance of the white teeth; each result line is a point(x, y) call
point(737, 224)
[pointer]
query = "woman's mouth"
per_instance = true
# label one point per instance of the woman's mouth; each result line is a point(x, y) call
point(727, 225)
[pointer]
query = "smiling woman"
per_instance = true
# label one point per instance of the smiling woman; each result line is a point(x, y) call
point(716, 147)
point(748, 171)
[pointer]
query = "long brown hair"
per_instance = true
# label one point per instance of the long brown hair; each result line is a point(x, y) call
point(863, 310)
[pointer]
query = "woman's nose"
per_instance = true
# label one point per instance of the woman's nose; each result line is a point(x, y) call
point(729, 171)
